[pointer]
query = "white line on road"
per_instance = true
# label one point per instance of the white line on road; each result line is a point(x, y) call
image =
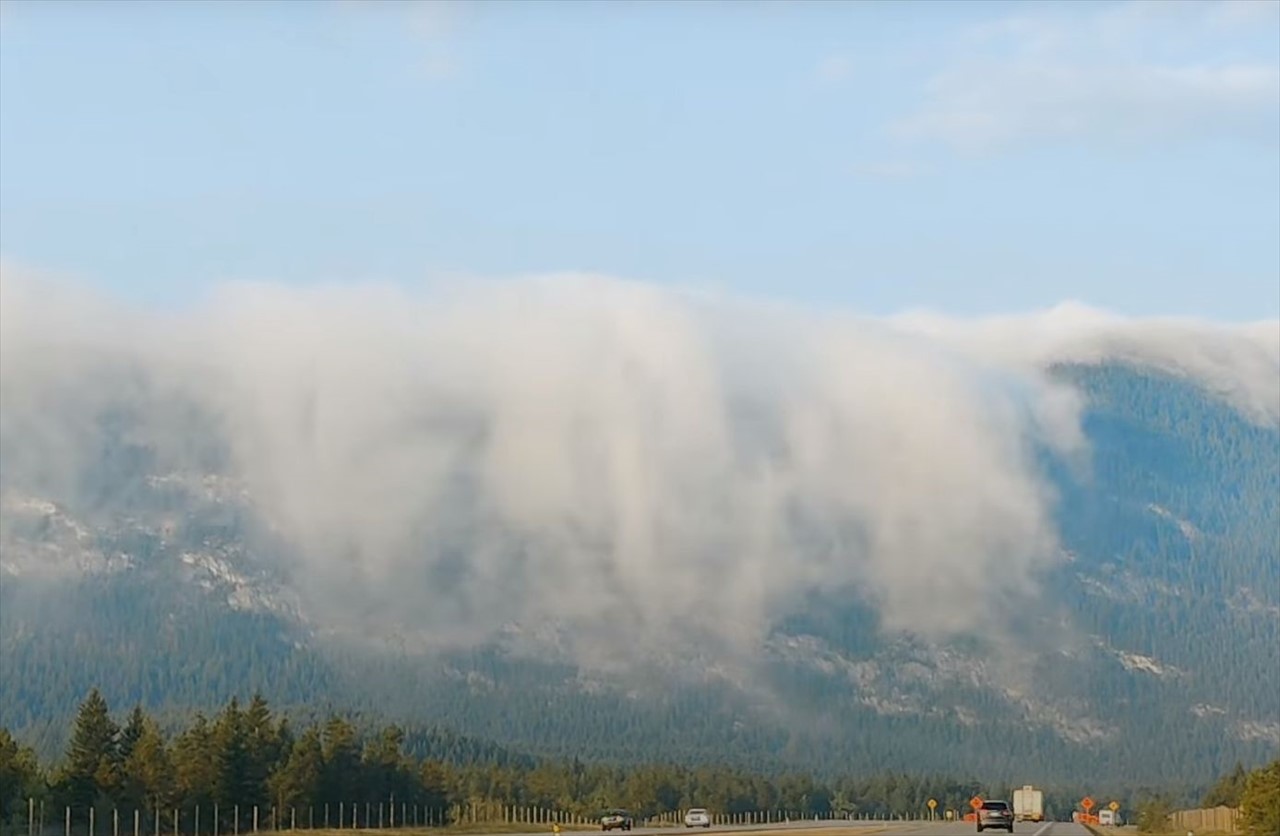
point(1044, 829)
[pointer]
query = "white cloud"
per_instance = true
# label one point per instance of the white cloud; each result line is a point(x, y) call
point(643, 468)
point(1240, 363)
point(1136, 72)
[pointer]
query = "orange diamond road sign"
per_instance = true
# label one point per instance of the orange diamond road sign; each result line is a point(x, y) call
point(1115, 805)
point(975, 802)
point(1086, 803)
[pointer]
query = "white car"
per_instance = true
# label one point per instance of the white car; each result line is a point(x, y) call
point(697, 817)
point(616, 820)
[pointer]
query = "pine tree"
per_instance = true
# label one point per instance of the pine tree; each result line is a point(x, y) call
point(299, 781)
point(194, 766)
point(19, 777)
point(130, 794)
point(92, 766)
point(263, 750)
point(341, 761)
point(132, 732)
point(1260, 802)
point(388, 773)
point(233, 781)
point(149, 770)
point(434, 778)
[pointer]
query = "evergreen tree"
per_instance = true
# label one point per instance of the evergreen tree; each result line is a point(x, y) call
point(1227, 792)
point(234, 782)
point(341, 761)
point(335, 762)
point(149, 773)
point(20, 777)
point(300, 780)
point(388, 771)
point(195, 768)
point(263, 750)
point(435, 781)
point(1153, 815)
point(92, 767)
point(132, 732)
point(1260, 801)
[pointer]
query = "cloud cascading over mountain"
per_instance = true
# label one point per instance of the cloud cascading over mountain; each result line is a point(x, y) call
point(641, 466)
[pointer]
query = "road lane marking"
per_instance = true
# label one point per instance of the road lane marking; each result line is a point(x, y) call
point(1044, 829)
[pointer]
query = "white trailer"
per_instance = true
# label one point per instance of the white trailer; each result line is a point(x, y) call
point(1028, 804)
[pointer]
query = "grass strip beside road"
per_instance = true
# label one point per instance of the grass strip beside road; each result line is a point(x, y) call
point(1121, 831)
point(477, 829)
point(814, 831)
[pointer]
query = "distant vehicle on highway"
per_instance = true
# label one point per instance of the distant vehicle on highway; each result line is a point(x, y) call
point(697, 817)
point(1028, 804)
point(995, 814)
point(616, 820)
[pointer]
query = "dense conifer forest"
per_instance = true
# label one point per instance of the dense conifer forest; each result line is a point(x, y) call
point(252, 769)
point(1171, 586)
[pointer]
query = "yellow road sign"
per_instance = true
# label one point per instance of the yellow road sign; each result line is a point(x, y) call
point(1115, 805)
point(932, 803)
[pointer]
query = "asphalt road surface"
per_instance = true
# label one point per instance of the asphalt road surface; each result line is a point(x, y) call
point(966, 828)
point(846, 828)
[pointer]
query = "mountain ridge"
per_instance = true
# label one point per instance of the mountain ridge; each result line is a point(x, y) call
point(1168, 527)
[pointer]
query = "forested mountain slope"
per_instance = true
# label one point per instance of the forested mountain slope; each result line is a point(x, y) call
point(1147, 654)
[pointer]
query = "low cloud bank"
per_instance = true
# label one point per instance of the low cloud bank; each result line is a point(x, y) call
point(647, 469)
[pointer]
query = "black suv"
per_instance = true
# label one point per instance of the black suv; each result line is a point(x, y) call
point(995, 814)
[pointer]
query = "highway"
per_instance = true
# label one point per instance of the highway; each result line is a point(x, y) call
point(966, 828)
point(844, 828)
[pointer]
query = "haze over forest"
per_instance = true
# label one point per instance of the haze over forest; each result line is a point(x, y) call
point(776, 388)
point(654, 472)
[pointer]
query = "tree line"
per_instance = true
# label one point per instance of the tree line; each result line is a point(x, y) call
point(1198, 603)
point(1254, 793)
point(245, 757)
point(334, 768)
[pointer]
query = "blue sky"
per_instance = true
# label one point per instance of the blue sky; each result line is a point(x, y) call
point(961, 157)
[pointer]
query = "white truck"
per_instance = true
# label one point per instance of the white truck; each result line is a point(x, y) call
point(1028, 804)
